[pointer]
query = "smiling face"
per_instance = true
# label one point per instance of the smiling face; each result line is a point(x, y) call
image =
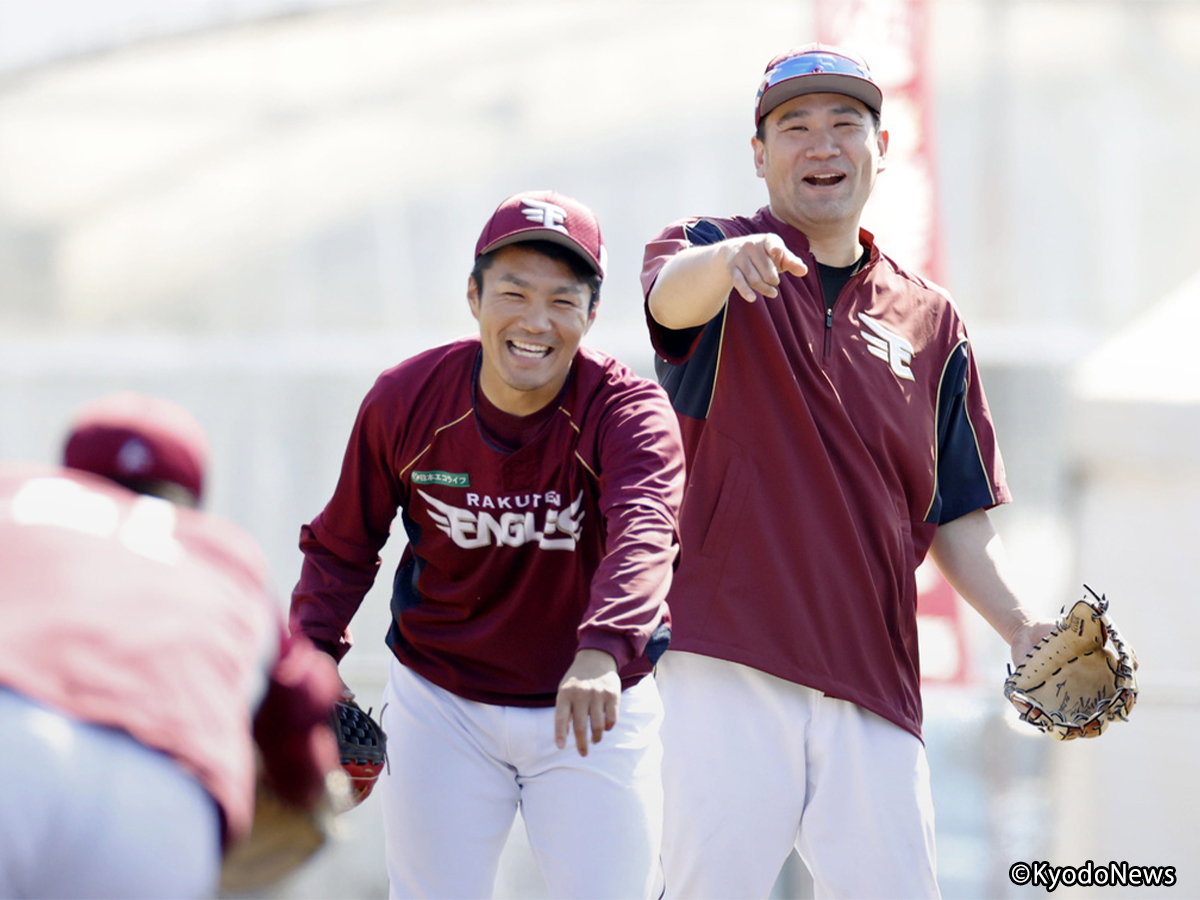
point(533, 311)
point(819, 154)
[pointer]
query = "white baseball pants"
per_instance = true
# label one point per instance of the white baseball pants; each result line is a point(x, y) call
point(458, 770)
point(89, 812)
point(754, 765)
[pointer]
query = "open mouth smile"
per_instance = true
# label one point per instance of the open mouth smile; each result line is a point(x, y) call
point(528, 351)
point(825, 180)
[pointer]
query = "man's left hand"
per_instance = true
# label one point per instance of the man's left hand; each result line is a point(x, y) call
point(1027, 636)
point(589, 697)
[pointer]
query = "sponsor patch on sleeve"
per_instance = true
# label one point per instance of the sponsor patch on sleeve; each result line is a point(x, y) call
point(449, 479)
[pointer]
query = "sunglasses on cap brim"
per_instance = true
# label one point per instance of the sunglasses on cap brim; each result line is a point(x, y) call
point(815, 63)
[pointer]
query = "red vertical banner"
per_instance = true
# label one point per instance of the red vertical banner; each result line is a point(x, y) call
point(893, 36)
point(903, 214)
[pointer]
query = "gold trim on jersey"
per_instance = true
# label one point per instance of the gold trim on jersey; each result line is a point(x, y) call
point(936, 425)
point(937, 409)
point(720, 351)
point(415, 459)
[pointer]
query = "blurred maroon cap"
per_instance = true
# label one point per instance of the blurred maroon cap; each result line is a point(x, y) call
point(131, 438)
point(545, 216)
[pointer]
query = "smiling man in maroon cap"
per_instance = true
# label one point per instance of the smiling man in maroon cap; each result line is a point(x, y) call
point(538, 484)
point(836, 432)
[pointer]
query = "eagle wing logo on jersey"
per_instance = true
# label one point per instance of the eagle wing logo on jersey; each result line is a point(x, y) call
point(560, 529)
point(550, 215)
point(893, 349)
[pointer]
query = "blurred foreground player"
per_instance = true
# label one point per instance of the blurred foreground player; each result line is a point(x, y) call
point(143, 667)
point(836, 431)
point(537, 483)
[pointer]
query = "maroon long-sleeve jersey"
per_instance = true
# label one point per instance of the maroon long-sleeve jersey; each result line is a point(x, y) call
point(516, 559)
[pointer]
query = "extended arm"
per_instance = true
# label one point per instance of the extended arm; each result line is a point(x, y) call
point(972, 557)
point(694, 284)
point(629, 591)
point(641, 483)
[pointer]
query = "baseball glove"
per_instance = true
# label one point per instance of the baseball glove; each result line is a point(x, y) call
point(362, 744)
point(1079, 678)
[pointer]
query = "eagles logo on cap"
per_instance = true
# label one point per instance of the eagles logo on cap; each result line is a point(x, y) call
point(545, 216)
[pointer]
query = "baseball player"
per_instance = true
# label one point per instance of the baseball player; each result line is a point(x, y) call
point(139, 648)
point(836, 431)
point(537, 483)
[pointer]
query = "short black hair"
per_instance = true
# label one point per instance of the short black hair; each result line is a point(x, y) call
point(557, 252)
point(162, 488)
point(760, 131)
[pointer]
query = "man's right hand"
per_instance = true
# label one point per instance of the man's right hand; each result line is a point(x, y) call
point(755, 263)
point(696, 283)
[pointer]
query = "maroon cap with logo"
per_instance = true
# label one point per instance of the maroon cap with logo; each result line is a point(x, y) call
point(131, 438)
point(816, 69)
point(545, 216)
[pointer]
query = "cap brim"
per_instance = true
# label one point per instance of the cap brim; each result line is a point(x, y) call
point(544, 234)
point(823, 83)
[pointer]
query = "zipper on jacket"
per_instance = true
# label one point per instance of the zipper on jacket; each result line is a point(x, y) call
point(828, 342)
point(829, 307)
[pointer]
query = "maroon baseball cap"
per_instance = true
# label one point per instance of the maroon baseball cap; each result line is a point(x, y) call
point(816, 69)
point(131, 437)
point(545, 216)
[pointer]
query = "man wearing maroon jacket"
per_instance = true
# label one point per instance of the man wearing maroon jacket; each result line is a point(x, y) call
point(836, 432)
point(538, 483)
point(144, 665)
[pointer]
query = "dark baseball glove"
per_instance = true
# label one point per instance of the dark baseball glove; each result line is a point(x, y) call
point(1079, 678)
point(362, 744)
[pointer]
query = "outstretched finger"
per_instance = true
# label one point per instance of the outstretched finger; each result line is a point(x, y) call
point(790, 262)
point(784, 259)
point(781, 258)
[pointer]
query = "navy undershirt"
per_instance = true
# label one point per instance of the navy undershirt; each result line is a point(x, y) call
point(834, 278)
